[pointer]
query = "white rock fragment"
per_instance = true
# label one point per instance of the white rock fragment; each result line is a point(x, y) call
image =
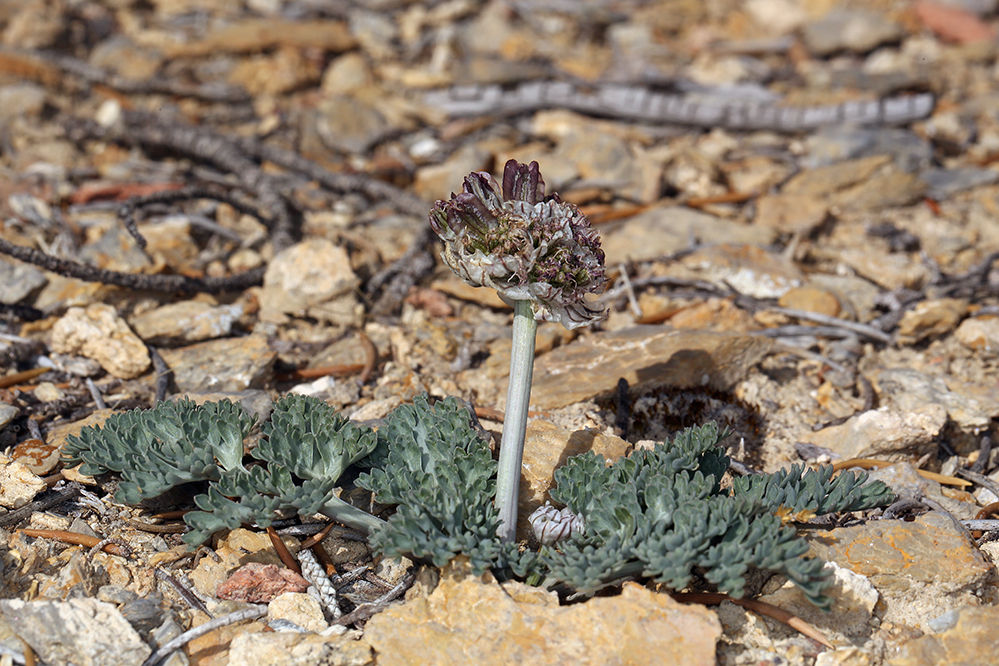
point(85, 632)
point(18, 485)
point(99, 333)
point(300, 608)
point(306, 276)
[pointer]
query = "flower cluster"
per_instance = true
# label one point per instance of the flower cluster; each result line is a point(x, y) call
point(525, 245)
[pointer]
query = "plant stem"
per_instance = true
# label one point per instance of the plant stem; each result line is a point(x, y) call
point(518, 397)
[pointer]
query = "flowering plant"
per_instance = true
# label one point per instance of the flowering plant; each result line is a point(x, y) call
point(540, 254)
point(525, 245)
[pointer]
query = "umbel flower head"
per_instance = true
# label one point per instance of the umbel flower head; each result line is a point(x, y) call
point(525, 245)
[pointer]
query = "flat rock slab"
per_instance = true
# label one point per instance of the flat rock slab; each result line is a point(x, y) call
point(972, 639)
point(471, 621)
point(647, 357)
point(922, 568)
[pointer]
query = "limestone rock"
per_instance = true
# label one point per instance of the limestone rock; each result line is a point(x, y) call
point(922, 568)
point(299, 608)
point(305, 275)
point(288, 649)
point(40, 458)
point(883, 432)
point(931, 319)
point(668, 229)
point(547, 447)
point(646, 356)
point(972, 640)
point(186, 322)
point(99, 333)
point(84, 632)
point(475, 621)
point(227, 364)
point(18, 485)
point(907, 390)
point(853, 601)
point(979, 333)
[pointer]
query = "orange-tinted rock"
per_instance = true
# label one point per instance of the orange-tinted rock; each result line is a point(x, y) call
point(547, 447)
point(475, 621)
point(811, 299)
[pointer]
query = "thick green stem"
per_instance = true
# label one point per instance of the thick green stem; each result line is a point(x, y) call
point(518, 395)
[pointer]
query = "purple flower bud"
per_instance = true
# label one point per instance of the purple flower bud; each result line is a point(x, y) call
point(524, 244)
point(551, 525)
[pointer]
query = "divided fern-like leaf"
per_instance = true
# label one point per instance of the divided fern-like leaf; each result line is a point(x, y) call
point(157, 449)
point(662, 513)
point(433, 465)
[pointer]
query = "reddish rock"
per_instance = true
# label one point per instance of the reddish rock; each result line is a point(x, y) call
point(260, 583)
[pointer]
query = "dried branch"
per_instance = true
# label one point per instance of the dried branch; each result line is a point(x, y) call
point(164, 283)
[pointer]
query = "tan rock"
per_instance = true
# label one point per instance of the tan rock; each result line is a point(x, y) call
point(288, 649)
point(792, 213)
point(238, 548)
point(921, 568)
point(258, 34)
point(284, 71)
point(475, 621)
point(883, 432)
point(646, 356)
point(668, 229)
point(40, 458)
point(226, 365)
point(18, 485)
point(979, 333)
point(931, 319)
point(99, 333)
point(972, 639)
point(546, 448)
point(299, 608)
point(307, 274)
point(186, 321)
point(811, 299)
point(825, 180)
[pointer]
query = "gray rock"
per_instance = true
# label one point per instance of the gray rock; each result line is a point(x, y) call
point(669, 229)
point(19, 280)
point(883, 432)
point(230, 364)
point(7, 414)
point(186, 322)
point(850, 30)
point(21, 99)
point(907, 390)
point(943, 183)
point(349, 125)
point(82, 632)
point(906, 482)
point(838, 143)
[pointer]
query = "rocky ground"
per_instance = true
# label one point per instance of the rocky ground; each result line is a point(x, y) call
point(826, 291)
